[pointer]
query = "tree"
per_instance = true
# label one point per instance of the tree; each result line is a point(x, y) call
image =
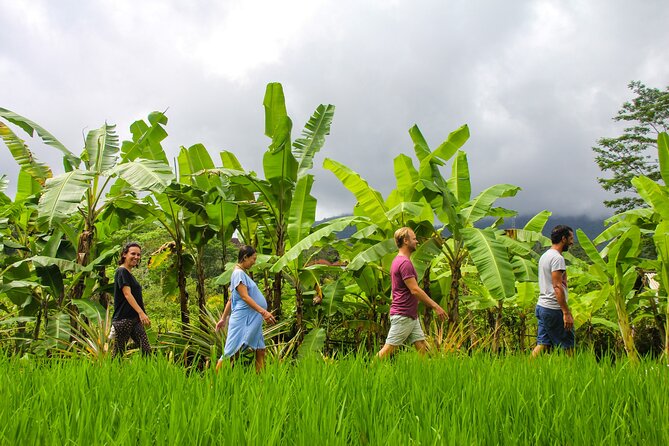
point(633, 153)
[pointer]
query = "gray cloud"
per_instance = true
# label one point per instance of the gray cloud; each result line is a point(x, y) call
point(537, 82)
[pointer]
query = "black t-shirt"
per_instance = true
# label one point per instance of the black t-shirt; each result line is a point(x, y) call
point(122, 309)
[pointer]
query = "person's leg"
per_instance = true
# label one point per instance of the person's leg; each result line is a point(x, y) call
point(544, 342)
point(421, 347)
point(123, 330)
point(139, 336)
point(386, 351)
point(400, 328)
point(417, 338)
point(260, 359)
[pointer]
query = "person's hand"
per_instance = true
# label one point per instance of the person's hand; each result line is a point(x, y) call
point(568, 320)
point(144, 319)
point(441, 314)
point(220, 325)
point(268, 317)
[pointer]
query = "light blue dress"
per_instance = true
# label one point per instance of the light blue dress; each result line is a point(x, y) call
point(245, 326)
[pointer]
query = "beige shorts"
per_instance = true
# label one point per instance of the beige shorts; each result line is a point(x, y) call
point(404, 330)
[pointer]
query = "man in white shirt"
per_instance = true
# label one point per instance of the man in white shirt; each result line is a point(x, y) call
point(555, 322)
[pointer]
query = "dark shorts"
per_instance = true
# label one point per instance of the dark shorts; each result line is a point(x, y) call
point(551, 328)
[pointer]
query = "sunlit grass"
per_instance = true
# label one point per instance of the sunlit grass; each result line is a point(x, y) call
point(449, 400)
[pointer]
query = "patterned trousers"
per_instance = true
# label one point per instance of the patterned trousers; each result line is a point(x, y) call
point(126, 329)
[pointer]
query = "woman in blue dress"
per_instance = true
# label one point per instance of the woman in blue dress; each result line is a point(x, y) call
point(246, 310)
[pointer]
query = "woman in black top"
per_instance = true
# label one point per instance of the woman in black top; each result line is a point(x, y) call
point(129, 317)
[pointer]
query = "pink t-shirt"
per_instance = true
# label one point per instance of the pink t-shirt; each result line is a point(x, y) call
point(404, 304)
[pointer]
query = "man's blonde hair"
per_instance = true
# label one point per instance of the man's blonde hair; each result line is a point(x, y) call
point(400, 235)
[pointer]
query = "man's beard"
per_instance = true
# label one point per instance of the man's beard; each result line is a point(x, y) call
point(566, 248)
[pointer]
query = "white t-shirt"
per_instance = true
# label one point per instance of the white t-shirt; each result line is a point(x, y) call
point(550, 261)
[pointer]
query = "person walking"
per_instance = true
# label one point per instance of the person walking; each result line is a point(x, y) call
point(244, 313)
point(555, 321)
point(129, 317)
point(404, 324)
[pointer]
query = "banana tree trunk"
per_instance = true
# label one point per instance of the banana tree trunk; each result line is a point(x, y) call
point(626, 329)
point(454, 297)
point(83, 257)
point(427, 317)
point(103, 296)
point(201, 293)
point(498, 327)
point(181, 285)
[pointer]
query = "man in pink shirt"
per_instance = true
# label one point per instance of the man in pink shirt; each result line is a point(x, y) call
point(404, 324)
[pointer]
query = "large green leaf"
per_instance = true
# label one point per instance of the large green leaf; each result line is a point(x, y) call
point(92, 310)
point(145, 175)
point(69, 159)
point(51, 278)
point(424, 255)
point(23, 156)
point(537, 223)
point(491, 260)
point(369, 200)
point(313, 137)
point(192, 161)
point(63, 194)
point(309, 241)
point(459, 182)
point(525, 270)
point(302, 210)
point(480, 206)
point(58, 328)
point(312, 344)
point(26, 186)
point(661, 240)
point(663, 156)
point(146, 139)
point(406, 176)
point(101, 151)
point(653, 194)
point(373, 254)
point(456, 139)
point(590, 250)
point(421, 148)
point(275, 108)
point(333, 297)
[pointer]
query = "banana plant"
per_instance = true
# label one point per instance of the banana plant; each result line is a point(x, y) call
point(656, 197)
point(614, 270)
point(77, 198)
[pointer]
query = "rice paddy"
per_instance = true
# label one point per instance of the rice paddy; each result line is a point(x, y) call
point(409, 400)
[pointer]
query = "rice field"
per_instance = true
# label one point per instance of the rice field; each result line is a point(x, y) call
point(411, 400)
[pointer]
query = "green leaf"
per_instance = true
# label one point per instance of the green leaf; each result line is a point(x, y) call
point(480, 206)
point(275, 108)
point(590, 250)
point(491, 260)
point(309, 241)
point(424, 255)
point(31, 128)
point(653, 194)
point(23, 156)
point(373, 254)
point(312, 344)
point(302, 212)
point(333, 297)
point(92, 310)
point(406, 176)
point(101, 149)
point(459, 182)
point(663, 156)
point(420, 145)
point(537, 223)
point(58, 328)
point(369, 200)
point(26, 186)
point(51, 278)
point(456, 139)
point(63, 194)
point(192, 161)
point(313, 138)
point(146, 139)
point(145, 175)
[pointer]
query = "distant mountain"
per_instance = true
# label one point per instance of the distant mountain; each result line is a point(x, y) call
point(591, 226)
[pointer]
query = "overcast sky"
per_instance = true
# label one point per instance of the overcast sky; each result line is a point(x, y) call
point(536, 81)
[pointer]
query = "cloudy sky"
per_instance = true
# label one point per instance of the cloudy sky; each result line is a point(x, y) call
point(536, 81)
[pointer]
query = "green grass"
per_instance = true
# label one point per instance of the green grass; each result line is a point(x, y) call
point(410, 400)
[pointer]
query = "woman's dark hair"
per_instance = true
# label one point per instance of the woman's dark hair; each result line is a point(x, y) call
point(125, 250)
point(245, 252)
